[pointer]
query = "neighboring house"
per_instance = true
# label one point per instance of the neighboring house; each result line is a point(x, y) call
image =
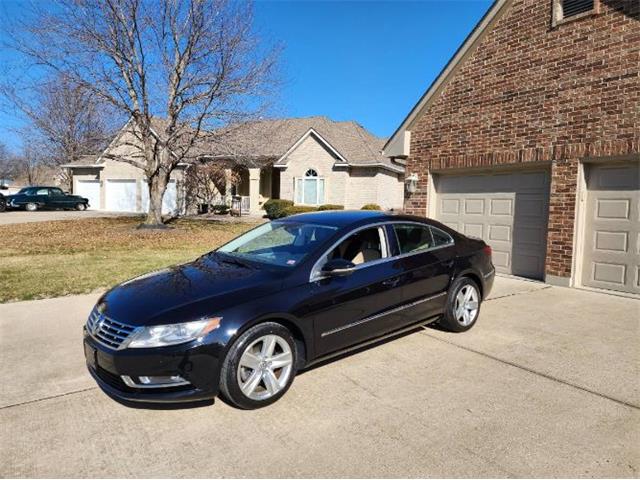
point(530, 139)
point(311, 161)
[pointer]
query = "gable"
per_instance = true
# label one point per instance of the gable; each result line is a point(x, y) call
point(526, 84)
point(309, 142)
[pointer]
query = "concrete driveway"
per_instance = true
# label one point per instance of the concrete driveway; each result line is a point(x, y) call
point(545, 385)
point(20, 216)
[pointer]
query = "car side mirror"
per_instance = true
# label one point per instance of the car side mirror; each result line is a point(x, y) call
point(338, 267)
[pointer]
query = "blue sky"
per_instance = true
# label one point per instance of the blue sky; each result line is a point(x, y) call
point(358, 60)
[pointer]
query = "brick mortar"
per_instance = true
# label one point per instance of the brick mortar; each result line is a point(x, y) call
point(530, 94)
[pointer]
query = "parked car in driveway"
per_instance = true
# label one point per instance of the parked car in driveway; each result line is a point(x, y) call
point(242, 319)
point(36, 198)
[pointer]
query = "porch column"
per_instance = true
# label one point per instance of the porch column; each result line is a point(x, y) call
point(254, 190)
point(227, 186)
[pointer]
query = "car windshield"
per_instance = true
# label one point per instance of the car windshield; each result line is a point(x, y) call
point(279, 243)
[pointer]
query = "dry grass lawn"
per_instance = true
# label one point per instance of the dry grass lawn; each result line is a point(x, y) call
point(50, 259)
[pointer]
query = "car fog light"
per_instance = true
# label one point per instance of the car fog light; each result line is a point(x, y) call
point(154, 381)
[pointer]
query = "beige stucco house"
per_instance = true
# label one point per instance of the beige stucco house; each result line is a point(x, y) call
point(311, 161)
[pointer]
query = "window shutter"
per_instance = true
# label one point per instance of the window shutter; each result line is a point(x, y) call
point(576, 7)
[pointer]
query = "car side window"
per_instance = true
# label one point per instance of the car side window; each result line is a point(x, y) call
point(42, 191)
point(440, 238)
point(413, 237)
point(55, 191)
point(361, 247)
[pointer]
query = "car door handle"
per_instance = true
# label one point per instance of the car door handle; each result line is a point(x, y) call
point(391, 282)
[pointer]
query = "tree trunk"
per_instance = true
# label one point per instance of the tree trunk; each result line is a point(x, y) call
point(157, 186)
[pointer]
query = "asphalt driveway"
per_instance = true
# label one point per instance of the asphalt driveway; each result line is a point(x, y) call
point(20, 216)
point(545, 385)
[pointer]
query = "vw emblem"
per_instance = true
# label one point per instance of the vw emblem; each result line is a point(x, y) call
point(97, 324)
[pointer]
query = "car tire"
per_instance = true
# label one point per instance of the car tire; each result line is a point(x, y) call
point(31, 207)
point(463, 306)
point(3, 205)
point(81, 207)
point(249, 378)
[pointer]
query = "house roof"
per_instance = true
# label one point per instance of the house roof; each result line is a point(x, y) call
point(87, 161)
point(396, 144)
point(265, 141)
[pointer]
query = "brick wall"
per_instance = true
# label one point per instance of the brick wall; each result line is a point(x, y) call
point(533, 93)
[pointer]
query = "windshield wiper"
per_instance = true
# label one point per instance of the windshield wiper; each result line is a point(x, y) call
point(226, 258)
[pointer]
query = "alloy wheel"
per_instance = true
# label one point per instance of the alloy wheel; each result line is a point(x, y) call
point(265, 367)
point(466, 306)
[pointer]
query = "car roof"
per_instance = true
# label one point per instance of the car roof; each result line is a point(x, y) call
point(344, 218)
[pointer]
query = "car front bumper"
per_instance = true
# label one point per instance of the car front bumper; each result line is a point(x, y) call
point(195, 362)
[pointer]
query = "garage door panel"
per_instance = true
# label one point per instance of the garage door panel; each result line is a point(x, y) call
point(474, 206)
point(611, 241)
point(612, 229)
point(450, 206)
point(473, 230)
point(500, 233)
point(507, 210)
point(612, 208)
point(501, 206)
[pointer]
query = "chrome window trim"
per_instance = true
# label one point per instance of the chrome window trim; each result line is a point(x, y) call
point(382, 314)
point(315, 275)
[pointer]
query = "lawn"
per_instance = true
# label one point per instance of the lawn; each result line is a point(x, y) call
point(50, 259)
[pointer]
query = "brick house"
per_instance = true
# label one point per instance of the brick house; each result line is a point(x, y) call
point(530, 139)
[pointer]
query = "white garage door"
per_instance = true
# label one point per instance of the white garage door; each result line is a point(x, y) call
point(169, 200)
point(612, 228)
point(509, 211)
point(120, 195)
point(89, 189)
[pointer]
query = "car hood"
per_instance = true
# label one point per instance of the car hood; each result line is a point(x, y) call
point(187, 292)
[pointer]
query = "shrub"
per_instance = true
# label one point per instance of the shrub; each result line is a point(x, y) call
point(221, 209)
point(371, 206)
point(275, 208)
point(329, 206)
point(292, 210)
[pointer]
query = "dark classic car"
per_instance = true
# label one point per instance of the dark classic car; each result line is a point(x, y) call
point(36, 198)
point(241, 320)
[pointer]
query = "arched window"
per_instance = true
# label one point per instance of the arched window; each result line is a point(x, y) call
point(309, 190)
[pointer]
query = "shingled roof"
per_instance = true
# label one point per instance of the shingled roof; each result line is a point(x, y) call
point(266, 141)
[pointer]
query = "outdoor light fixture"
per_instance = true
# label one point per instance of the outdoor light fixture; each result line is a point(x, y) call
point(411, 183)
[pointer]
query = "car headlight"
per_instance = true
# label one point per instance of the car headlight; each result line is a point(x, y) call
point(164, 335)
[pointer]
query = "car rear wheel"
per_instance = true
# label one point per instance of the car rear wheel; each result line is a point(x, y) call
point(463, 305)
point(260, 366)
point(31, 207)
point(81, 206)
point(3, 205)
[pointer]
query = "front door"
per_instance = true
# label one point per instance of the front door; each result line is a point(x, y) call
point(347, 310)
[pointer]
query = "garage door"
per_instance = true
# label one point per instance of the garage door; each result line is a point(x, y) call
point(120, 195)
point(508, 211)
point(89, 189)
point(169, 200)
point(612, 228)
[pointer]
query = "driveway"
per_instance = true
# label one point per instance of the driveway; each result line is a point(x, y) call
point(545, 385)
point(20, 216)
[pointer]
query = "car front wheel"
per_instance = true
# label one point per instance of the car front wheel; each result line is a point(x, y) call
point(463, 305)
point(31, 207)
point(260, 366)
point(81, 206)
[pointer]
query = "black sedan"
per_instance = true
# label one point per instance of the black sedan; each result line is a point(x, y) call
point(36, 198)
point(241, 320)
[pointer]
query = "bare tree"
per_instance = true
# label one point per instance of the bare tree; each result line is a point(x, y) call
point(197, 64)
point(7, 164)
point(65, 119)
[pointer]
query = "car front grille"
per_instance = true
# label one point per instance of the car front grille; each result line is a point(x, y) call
point(107, 331)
